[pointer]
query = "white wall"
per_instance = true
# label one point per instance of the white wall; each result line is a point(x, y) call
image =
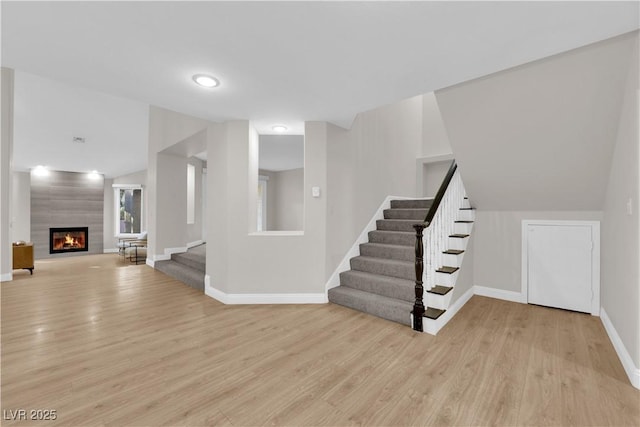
point(376, 158)
point(6, 147)
point(242, 262)
point(21, 206)
point(272, 196)
point(167, 129)
point(290, 200)
point(498, 244)
point(194, 231)
point(620, 292)
point(540, 136)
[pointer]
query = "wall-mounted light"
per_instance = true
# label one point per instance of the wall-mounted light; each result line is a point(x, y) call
point(205, 80)
point(40, 171)
point(279, 128)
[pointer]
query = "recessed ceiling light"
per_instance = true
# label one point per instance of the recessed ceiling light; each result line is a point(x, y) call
point(206, 81)
point(279, 128)
point(40, 171)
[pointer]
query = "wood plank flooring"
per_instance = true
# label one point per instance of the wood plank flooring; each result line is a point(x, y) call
point(105, 343)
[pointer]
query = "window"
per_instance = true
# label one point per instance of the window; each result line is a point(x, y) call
point(128, 205)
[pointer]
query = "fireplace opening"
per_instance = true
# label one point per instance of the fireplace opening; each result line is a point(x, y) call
point(68, 239)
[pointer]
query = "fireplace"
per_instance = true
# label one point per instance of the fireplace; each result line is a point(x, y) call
point(68, 239)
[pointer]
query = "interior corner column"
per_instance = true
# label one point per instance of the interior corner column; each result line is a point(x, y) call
point(6, 152)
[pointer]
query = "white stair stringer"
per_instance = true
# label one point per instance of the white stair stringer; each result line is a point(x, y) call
point(453, 207)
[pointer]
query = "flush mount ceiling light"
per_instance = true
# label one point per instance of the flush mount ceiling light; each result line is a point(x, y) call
point(40, 171)
point(279, 128)
point(205, 80)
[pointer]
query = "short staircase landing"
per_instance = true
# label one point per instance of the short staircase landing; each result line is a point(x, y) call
point(188, 267)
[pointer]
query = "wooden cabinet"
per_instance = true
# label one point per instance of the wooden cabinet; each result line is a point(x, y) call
point(23, 257)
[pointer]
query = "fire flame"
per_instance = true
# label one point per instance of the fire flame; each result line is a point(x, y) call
point(68, 240)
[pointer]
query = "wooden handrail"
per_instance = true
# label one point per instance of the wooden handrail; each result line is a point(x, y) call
point(418, 305)
point(440, 194)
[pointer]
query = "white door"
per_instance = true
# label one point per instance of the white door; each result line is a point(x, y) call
point(559, 263)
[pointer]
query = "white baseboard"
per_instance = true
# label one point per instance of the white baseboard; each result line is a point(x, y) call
point(110, 251)
point(223, 297)
point(194, 244)
point(7, 277)
point(168, 252)
point(433, 326)
point(500, 294)
point(151, 263)
point(354, 251)
point(627, 362)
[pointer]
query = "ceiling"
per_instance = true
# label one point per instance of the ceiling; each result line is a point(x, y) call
point(290, 62)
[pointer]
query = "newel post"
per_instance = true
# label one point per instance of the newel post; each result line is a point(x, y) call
point(418, 306)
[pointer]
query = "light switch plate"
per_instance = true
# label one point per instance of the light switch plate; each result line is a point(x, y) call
point(315, 191)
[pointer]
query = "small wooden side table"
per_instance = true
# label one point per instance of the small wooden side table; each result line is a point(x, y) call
point(23, 256)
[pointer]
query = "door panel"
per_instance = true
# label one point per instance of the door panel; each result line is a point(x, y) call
point(559, 266)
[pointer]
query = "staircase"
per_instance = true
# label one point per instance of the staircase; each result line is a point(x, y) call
point(187, 267)
point(381, 281)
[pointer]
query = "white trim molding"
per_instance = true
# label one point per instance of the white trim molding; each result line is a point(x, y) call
point(168, 252)
point(595, 256)
point(231, 299)
point(500, 294)
point(194, 244)
point(7, 277)
point(633, 372)
point(110, 251)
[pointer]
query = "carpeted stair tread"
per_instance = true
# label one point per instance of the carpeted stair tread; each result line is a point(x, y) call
point(381, 250)
point(181, 272)
point(459, 235)
point(411, 204)
point(377, 305)
point(391, 287)
point(193, 260)
point(447, 270)
point(385, 267)
point(433, 313)
point(453, 251)
point(403, 238)
point(440, 290)
point(397, 224)
point(416, 214)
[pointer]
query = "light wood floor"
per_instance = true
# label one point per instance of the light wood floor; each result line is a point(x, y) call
point(105, 343)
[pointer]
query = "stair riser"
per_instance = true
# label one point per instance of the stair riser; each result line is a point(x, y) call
point(196, 265)
point(417, 214)
point(400, 313)
point(392, 238)
point(379, 287)
point(411, 204)
point(445, 279)
point(466, 203)
point(188, 276)
point(439, 301)
point(466, 215)
point(463, 227)
point(399, 271)
point(458, 243)
point(400, 253)
point(452, 260)
point(396, 225)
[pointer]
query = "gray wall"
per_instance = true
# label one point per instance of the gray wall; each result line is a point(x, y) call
point(620, 291)
point(21, 207)
point(6, 146)
point(272, 195)
point(66, 199)
point(540, 136)
point(290, 200)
